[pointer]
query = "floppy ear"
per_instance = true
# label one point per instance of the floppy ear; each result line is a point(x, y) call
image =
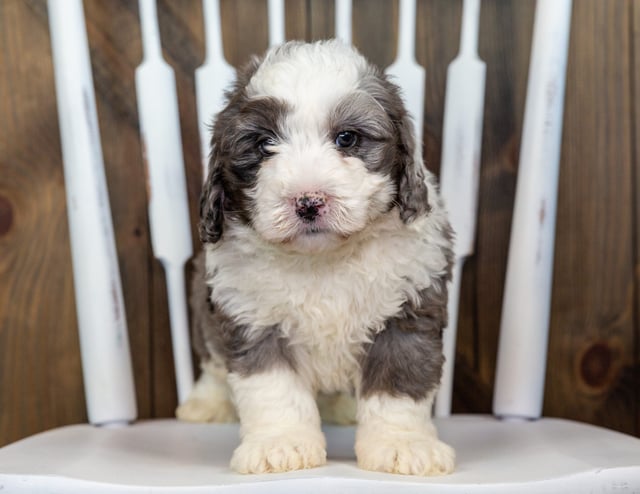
point(408, 172)
point(212, 199)
point(211, 203)
point(413, 198)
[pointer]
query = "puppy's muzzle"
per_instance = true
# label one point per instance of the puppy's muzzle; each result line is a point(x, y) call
point(310, 206)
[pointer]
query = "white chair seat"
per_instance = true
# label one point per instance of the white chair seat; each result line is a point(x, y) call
point(548, 455)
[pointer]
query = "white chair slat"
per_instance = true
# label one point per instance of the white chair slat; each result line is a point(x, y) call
point(526, 306)
point(460, 173)
point(276, 22)
point(167, 186)
point(405, 70)
point(343, 20)
point(212, 78)
point(102, 324)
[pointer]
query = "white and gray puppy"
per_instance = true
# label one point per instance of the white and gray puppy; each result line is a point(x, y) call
point(327, 254)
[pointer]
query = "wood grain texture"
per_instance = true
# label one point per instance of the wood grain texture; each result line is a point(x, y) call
point(592, 328)
point(375, 24)
point(594, 347)
point(635, 91)
point(40, 384)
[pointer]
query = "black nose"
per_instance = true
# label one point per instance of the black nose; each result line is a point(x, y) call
point(308, 207)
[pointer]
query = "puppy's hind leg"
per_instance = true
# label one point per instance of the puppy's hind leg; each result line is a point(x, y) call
point(210, 400)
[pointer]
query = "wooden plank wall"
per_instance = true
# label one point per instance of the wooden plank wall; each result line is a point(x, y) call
point(594, 349)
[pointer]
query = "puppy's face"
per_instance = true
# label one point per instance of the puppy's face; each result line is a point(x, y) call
point(313, 146)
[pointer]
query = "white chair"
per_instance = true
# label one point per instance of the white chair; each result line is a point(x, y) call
point(517, 452)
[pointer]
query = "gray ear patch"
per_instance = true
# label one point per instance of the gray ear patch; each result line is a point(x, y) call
point(211, 208)
point(235, 157)
point(412, 197)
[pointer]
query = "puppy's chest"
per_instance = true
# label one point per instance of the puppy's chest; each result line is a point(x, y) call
point(315, 303)
point(327, 310)
point(327, 314)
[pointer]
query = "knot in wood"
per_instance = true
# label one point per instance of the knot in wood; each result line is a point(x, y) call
point(596, 365)
point(6, 215)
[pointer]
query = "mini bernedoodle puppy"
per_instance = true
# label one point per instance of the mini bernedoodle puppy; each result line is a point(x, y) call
point(327, 256)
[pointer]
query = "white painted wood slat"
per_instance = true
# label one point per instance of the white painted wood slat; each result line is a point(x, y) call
point(102, 324)
point(526, 307)
point(460, 170)
point(167, 189)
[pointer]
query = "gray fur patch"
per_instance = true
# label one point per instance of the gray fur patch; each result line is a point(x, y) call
point(407, 173)
point(201, 315)
point(214, 333)
point(361, 112)
point(377, 144)
point(237, 155)
point(406, 357)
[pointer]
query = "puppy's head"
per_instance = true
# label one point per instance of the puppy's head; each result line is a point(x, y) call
point(313, 146)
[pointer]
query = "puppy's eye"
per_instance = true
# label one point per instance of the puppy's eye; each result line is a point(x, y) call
point(346, 139)
point(265, 146)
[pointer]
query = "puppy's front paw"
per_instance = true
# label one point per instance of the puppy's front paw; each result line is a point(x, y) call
point(260, 453)
point(404, 453)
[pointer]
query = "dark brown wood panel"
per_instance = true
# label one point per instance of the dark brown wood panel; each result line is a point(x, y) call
point(635, 89)
point(40, 383)
point(320, 22)
point(375, 24)
point(594, 347)
point(634, 16)
point(591, 353)
point(244, 29)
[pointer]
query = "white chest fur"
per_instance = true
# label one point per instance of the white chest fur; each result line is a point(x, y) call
point(326, 305)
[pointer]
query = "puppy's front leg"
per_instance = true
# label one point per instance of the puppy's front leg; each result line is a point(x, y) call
point(396, 435)
point(280, 423)
point(400, 374)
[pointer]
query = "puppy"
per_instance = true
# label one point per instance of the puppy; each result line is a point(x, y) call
point(327, 255)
